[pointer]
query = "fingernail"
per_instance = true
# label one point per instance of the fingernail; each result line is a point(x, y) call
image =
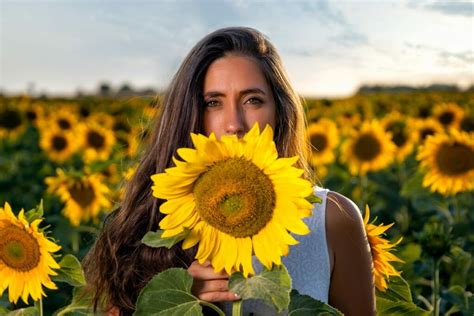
point(236, 295)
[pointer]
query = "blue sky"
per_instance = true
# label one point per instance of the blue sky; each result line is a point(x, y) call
point(328, 47)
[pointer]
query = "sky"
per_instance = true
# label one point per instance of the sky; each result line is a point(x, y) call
point(329, 48)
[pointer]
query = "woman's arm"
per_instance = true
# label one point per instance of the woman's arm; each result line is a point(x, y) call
point(352, 288)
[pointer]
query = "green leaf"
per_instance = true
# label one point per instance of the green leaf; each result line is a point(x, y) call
point(304, 305)
point(313, 199)
point(169, 293)
point(464, 301)
point(410, 253)
point(80, 304)
point(153, 239)
point(393, 308)
point(271, 286)
point(398, 290)
point(27, 311)
point(70, 272)
point(35, 213)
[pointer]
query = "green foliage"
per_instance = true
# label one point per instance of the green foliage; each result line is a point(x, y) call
point(304, 305)
point(271, 286)
point(169, 293)
point(154, 239)
point(80, 304)
point(70, 272)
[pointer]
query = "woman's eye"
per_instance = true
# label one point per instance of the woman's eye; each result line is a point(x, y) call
point(211, 103)
point(254, 100)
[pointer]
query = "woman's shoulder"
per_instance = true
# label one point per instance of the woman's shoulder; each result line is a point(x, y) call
point(342, 214)
point(345, 229)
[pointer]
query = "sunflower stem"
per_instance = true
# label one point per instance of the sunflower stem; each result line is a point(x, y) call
point(214, 307)
point(457, 210)
point(237, 308)
point(39, 306)
point(363, 196)
point(75, 241)
point(435, 294)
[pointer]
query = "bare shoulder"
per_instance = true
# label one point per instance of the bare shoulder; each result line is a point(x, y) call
point(352, 288)
point(343, 215)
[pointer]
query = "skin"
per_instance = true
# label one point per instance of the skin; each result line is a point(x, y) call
point(232, 109)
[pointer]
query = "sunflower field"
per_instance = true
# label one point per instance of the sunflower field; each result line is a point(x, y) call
point(409, 156)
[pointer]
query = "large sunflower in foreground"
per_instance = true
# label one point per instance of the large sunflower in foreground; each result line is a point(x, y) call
point(26, 263)
point(380, 248)
point(237, 198)
point(368, 149)
point(449, 160)
point(84, 196)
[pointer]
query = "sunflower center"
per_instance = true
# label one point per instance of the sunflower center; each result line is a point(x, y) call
point(367, 147)
point(95, 139)
point(10, 119)
point(82, 194)
point(18, 249)
point(399, 136)
point(425, 132)
point(31, 115)
point(446, 118)
point(455, 159)
point(59, 143)
point(235, 197)
point(319, 141)
point(467, 124)
point(121, 126)
point(64, 124)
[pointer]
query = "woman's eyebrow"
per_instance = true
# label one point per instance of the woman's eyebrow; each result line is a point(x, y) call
point(243, 92)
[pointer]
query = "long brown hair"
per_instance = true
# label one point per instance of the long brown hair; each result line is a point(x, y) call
point(118, 266)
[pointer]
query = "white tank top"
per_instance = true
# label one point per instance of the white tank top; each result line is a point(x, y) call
point(308, 262)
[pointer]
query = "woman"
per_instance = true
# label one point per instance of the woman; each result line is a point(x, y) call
point(231, 79)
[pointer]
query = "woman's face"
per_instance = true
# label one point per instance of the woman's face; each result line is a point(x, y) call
point(236, 95)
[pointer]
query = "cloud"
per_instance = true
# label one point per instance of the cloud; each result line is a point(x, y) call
point(460, 59)
point(462, 8)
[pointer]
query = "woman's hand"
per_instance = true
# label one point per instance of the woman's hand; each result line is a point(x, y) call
point(209, 285)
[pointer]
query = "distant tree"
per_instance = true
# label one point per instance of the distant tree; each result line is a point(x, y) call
point(104, 89)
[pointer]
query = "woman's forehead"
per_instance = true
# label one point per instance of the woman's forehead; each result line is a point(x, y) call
point(235, 73)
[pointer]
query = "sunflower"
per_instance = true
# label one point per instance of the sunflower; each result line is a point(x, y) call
point(399, 127)
point(34, 112)
point(96, 141)
point(368, 149)
point(65, 118)
point(380, 249)
point(467, 123)
point(59, 145)
point(102, 119)
point(11, 122)
point(84, 197)
point(426, 127)
point(237, 198)
point(449, 160)
point(128, 143)
point(448, 114)
point(324, 138)
point(26, 263)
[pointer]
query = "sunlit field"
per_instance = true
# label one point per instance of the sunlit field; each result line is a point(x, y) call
point(409, 156)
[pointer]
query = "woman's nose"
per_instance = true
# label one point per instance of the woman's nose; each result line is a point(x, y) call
point(234, 121)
